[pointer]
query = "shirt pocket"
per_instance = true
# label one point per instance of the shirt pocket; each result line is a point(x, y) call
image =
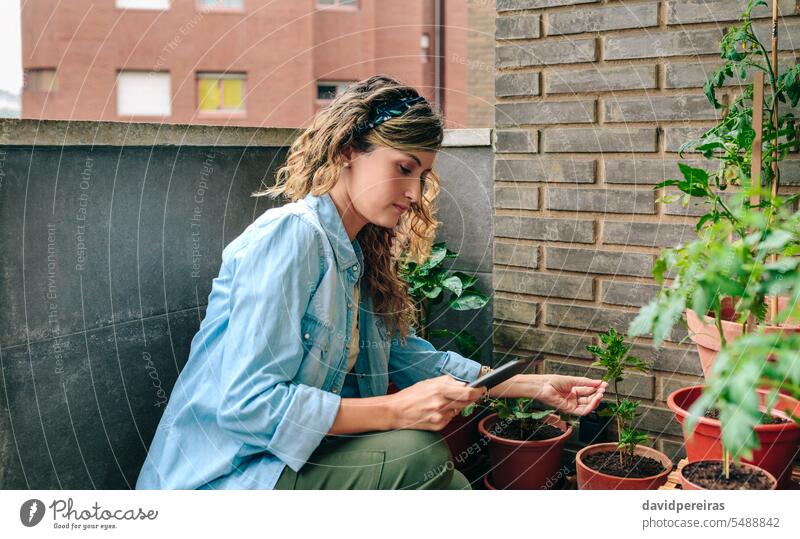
point(316, 337)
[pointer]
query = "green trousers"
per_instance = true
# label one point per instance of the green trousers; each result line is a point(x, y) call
point(390, 460)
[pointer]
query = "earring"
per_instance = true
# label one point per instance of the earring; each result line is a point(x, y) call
point(346, 164)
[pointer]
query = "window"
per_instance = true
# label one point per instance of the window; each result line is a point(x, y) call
point(338, 3)
point(144, 93)
point(220, 92)
point(40, 80)
point(425, 47)
point(328, 90)
point(143, 4)
point(221, 5)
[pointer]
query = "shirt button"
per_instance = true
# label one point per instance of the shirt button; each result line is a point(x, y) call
point(334, 390)
point(355, 268)
point(306, 336)
point(349, 305)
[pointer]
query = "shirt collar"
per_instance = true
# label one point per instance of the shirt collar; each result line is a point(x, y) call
point(347, 252)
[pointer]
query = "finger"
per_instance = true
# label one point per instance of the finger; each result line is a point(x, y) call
point(592, 404)
point(463, 393)
point(582, 391)
point(584, 381)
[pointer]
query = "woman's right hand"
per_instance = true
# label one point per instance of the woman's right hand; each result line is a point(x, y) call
point(431, 404)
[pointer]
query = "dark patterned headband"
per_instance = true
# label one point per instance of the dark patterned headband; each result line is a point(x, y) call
point(385, 112)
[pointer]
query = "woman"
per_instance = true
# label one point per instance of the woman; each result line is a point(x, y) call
point(308, 320)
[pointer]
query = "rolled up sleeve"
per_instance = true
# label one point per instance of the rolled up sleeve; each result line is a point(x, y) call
point(274, 275)
point(416, 359)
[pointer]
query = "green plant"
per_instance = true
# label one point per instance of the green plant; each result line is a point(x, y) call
point(747, 242)
point(429, 282)
point(757, 359)
point(613, 356)
point(745, 237)
point(520, 409)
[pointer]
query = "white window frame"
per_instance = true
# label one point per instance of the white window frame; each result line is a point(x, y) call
point(122, 108)
point(131, 5)
point(337, 5)
point(199, 6)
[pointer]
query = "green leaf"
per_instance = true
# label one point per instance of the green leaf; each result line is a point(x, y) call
point(453, 284)
point(470, 299)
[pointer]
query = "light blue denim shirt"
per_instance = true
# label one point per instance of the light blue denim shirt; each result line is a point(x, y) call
point(266, 369)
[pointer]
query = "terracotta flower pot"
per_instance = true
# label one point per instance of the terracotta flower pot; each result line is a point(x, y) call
point(591, 479)
point(487, 483)
point(524, 465)
point(779, 441)
point(705, 335)
point(688, 485)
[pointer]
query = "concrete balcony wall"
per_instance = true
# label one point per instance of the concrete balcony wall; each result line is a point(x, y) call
point(111, 235)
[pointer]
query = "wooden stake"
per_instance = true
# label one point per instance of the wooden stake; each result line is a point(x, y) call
point(773, 306)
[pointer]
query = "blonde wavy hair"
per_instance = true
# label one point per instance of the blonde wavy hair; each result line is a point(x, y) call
point(314, 164)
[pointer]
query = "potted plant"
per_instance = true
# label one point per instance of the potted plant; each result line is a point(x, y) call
point(711, 475)
point(435, 290)
point(755, 426)
point(737, 275)
point(525, 445)
point(741, 275)
point(627, 464)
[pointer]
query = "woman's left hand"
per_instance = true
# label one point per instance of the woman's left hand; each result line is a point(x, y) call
point(574, 395)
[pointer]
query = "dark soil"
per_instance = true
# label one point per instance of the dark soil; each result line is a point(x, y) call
point(765, 419)
point(634, 467)
point(710, 475)
point(527, 431)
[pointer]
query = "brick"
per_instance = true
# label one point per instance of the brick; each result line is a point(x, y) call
point(601, 19)
point(517, 27)
point(646, 234)
point(695, 74)
point(649, 171)
point(658, 108)
point(695, 11)
point(626, 294)
point(601, 200)
point(674, 137)
point(675, 450)
point(545, 112)
point(510, 5)
point(596, 140)
point(694, 208)
point(596, 261)
point(659, 44)
point(559, 51)
point(546, 170)
point(596, 319)
point(544, 284)
point(515, 141)
point(788, 35)
point(672, 360)
point(601, 79)
point(634, 385)
point(587, 318)
point(537, 228)
point(516, 198)
point(657, 420)
point(516, 254)
point(668, 384)
point(513, 84)
point(515, 310)
point(790, 172)
point(540, 340)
